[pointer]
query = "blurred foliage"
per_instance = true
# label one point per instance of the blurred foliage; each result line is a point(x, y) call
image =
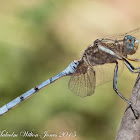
point(39, 39)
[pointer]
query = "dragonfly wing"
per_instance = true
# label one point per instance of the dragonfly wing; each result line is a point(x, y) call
point(135, 33)
point(113, 37)
point(105, 73)
point(83, 82)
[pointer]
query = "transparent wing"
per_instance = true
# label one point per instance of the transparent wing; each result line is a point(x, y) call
point(114, 37)
point(135, 33)
point(102, 75)
point(83, 82)
point(119, 37)
point(105, 73)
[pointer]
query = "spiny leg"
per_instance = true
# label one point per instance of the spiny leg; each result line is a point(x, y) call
point(116, 90)
point(130, 67)
point(134, 59)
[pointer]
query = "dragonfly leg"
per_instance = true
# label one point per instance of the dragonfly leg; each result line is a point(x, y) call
point(130, 67)
point(116, 90)
point(134, 59)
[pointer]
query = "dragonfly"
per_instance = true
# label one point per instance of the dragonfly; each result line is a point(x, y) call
point(90, 70)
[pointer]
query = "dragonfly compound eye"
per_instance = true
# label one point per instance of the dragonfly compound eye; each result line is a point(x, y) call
point(136, 44)
point(130, 44)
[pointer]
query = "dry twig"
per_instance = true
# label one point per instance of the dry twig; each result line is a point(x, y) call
point(130, 127)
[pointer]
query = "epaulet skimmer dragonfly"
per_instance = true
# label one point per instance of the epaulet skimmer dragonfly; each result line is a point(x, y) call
point(87, 72)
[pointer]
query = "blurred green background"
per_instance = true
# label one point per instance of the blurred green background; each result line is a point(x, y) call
point(38, 39)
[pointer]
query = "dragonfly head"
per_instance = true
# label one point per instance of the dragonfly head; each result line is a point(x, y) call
point(131, 44)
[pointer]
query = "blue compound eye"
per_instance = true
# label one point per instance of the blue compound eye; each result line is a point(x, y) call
point(130, 44)
point(136, 44)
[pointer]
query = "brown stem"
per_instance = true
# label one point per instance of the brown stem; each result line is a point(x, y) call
point(130, 126)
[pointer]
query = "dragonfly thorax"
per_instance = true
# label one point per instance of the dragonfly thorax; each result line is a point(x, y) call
point(130, 44)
